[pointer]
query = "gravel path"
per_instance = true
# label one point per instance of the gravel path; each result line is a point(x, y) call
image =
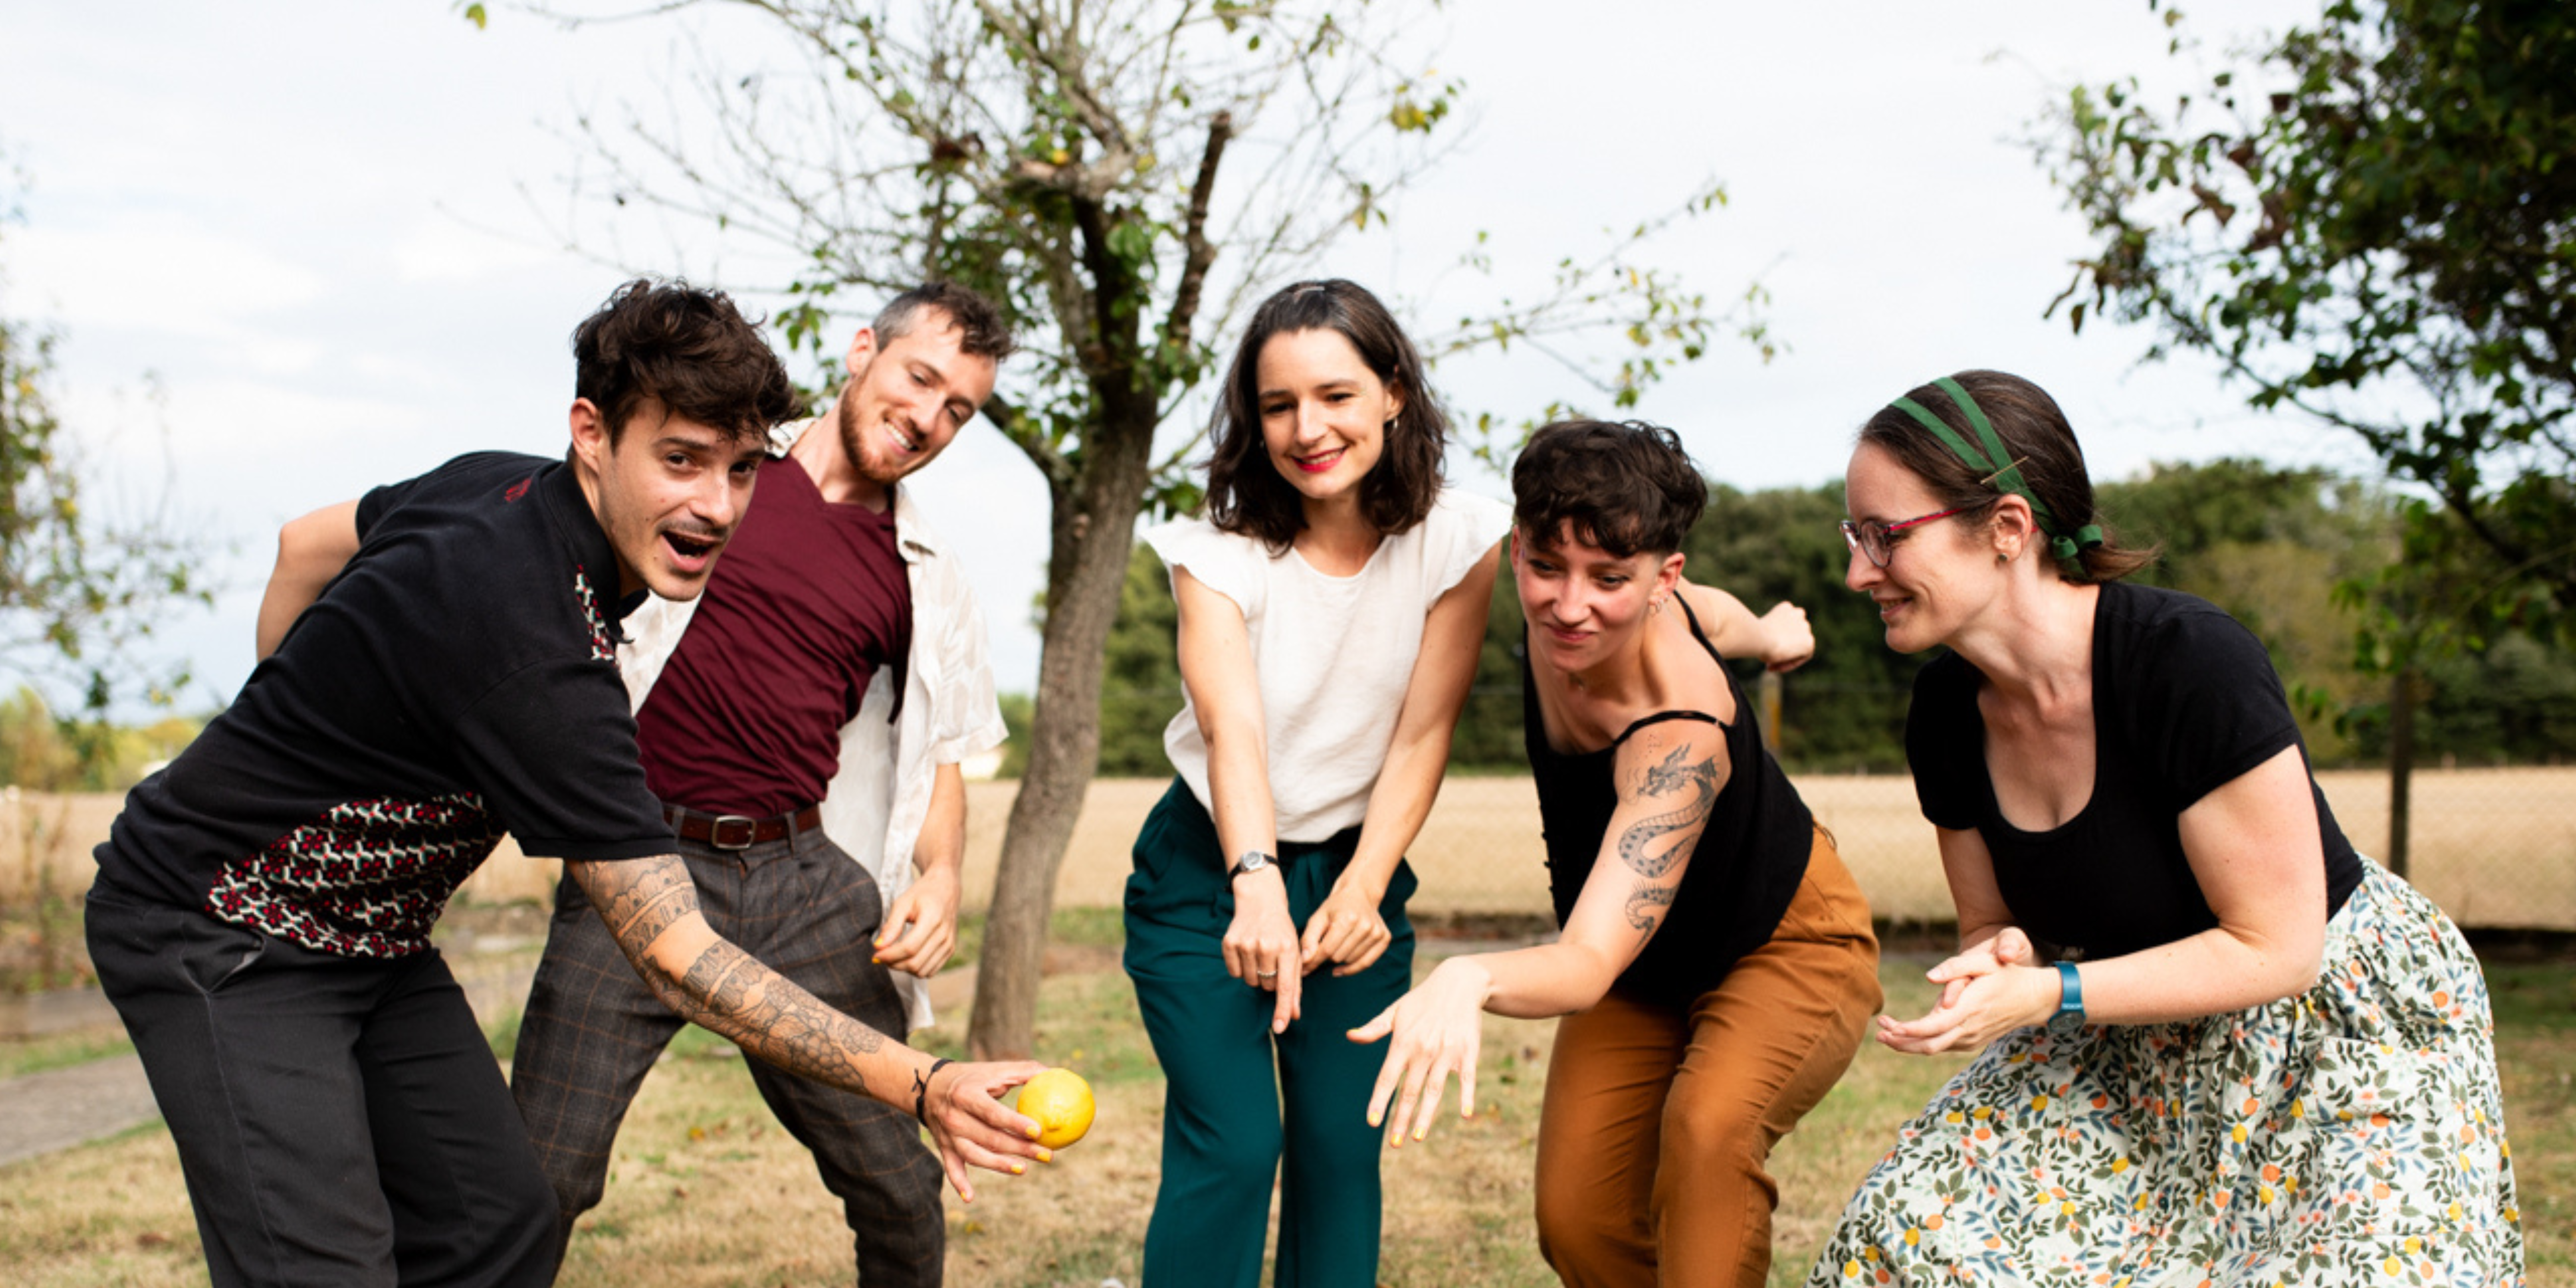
point(60, 1108)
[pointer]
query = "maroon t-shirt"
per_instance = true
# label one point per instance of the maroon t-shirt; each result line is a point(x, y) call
point(807, 601)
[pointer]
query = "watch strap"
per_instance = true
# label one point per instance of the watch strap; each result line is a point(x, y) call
point(2070, 990)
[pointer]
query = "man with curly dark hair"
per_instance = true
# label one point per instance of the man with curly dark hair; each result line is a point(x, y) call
point(438, 667)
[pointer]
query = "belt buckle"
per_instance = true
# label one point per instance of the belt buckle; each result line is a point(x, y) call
point(716, 831)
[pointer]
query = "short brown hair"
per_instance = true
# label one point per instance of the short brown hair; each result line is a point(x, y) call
point(1245, 493)
point(2036, 435)
point(1624, 486)
point(690, 350)
point(984, 332)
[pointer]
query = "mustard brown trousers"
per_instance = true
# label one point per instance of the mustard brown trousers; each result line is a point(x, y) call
point(1659, 1117)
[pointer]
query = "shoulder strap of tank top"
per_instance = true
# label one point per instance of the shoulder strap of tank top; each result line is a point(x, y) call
point(1696, 632)
point(1658, 718)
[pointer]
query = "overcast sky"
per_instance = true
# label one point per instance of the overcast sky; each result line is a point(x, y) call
point(296, 249)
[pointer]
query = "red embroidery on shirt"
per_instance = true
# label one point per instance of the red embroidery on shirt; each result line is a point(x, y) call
point(518, 489)
point(365, 879)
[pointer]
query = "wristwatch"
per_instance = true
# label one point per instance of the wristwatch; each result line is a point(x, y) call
point(1252, 861)
point(2070, 991)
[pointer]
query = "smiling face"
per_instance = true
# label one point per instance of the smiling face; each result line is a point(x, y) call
point(1939, 575)
point(907, 398)
point(667, 491)
point(1323, 413)
point(1584, 604)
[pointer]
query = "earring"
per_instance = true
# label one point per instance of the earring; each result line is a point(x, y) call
point(1655, 605)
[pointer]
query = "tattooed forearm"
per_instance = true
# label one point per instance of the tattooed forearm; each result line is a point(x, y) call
point(723, 987)
point(640, 898)
point(1646, 906)
point(791, 1029)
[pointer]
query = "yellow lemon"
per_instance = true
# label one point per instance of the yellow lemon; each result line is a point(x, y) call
point(1061, 1102)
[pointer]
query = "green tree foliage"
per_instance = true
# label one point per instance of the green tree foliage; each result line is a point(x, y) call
point(2267, 544)
point(43, 752)
point(2373, 221)
point(1141, 688)
point(77, 589)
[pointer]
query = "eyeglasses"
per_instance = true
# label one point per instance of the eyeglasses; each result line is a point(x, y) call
point(1870, 537)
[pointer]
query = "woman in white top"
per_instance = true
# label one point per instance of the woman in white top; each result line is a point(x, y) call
point(1332, 600)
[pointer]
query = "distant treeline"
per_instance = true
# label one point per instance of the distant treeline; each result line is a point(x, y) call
point(2266, 544)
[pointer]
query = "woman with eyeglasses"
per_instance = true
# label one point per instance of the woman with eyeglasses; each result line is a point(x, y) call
point(1332, 597)
point(1717, 968)
point(2218, 1046)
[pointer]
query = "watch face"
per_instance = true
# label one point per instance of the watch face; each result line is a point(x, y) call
point(1252, 861)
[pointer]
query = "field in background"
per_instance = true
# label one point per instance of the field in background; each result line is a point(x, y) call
point(2495, 847)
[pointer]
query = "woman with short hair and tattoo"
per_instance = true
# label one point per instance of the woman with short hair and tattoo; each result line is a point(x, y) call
point(1717, 967)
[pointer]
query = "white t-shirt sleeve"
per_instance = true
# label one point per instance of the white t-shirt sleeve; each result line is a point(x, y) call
point(1228, 565)
point(1461, 527)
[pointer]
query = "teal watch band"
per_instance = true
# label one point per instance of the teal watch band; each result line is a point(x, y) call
point(2070, 990)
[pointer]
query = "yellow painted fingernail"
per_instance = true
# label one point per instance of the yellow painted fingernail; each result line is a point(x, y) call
point(1018, 1169)
point(1420, 1132)
point(1046, 1156)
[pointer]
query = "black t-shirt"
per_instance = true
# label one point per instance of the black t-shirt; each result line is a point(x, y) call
point(1746, 868)
point(2184, 701)
point(458, 679)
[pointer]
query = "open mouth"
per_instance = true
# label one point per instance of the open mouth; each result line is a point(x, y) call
point(1321, 461)
point(691, 553)
point(903, 442)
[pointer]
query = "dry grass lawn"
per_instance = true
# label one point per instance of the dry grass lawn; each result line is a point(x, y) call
point(708, 1190)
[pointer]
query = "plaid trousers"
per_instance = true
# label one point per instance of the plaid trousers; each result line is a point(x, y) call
point(592, 1029)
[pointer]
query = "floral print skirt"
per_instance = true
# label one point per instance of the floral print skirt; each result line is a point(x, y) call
point(2353, 1134)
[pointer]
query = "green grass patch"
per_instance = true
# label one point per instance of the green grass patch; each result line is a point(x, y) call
point(61, 1051)
point(1077, 927)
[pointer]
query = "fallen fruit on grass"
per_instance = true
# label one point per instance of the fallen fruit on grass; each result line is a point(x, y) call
point(1061, 1102)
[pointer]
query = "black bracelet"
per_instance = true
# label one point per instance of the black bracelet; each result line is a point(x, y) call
point(921, 1090)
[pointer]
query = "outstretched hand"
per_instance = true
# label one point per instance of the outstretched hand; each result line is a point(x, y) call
point(1438, 1030)
point(969, 1124)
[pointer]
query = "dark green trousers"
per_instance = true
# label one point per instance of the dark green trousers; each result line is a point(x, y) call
point(1224, 1133)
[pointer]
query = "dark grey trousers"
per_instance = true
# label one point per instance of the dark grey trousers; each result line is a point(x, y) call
point(340, 1120)
point(593, 1029)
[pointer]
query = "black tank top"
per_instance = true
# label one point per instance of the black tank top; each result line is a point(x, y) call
point(1742, 875)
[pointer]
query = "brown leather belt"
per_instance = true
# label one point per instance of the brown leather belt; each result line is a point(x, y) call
point(736, 832)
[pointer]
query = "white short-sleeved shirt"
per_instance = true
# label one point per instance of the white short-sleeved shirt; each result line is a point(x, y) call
point(1333, 654)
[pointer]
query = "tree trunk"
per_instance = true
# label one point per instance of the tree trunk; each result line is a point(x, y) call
point(1093, 531)
point(2401, 766)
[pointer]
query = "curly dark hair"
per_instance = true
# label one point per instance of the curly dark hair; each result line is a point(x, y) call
point(690, 350)
point(1245, 493)
point(986, 333)
point(2036, 434)
point(1625, 486)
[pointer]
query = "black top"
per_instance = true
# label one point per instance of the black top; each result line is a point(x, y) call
point(457, 679)
point(2184, 701)
point(1746, 868)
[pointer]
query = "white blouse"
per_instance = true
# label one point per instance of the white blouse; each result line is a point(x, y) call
point(1334, 654)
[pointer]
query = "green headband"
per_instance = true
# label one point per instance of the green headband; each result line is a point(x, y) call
point(2002, 470)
